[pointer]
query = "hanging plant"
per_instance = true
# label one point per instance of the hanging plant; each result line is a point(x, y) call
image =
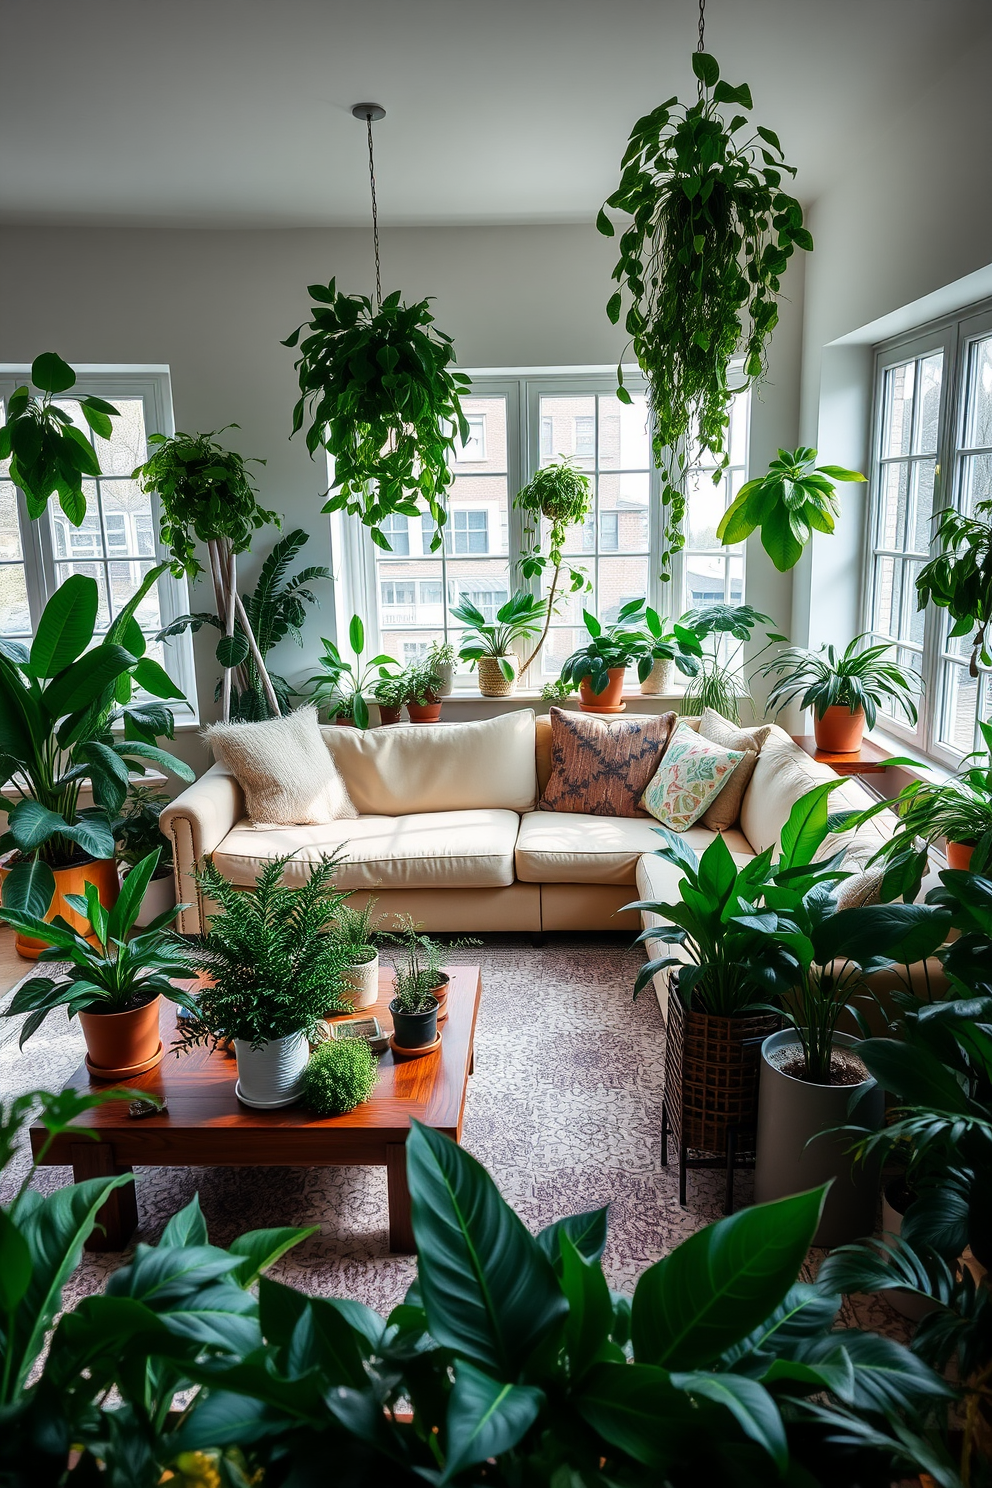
point(561, 495)
point(959, 579)
point(701, 266)
point(792, 499)
point(383, 403)
point(48, 455)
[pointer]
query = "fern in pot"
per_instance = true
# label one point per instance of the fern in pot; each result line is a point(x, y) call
point(273, 969)
point(420, 987)
point(357, 932)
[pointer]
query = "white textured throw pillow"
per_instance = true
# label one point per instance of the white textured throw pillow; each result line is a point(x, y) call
point(284, 768)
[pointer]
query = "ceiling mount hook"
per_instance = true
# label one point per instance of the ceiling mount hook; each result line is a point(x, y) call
point(371, 111)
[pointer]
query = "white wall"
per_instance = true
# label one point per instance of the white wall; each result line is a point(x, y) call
point(214, 306)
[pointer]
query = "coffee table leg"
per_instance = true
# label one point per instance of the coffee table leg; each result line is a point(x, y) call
point(400, 1217)
point(118, 1219)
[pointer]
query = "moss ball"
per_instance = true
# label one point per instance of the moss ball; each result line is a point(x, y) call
point(340, 1075)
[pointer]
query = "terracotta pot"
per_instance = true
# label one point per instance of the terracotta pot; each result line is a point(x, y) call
point(839, 731)
point(424, 712)
point(492, 683)
point(99, 871)
point(658, 679)
point(160, 895)
point(959, 854)
point(610, 700)
point(361, 983)
point(122, 1045)
point(342, 722)
point(389, 714)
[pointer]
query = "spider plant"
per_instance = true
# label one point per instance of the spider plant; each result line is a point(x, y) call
point(858, 679)
point(722, 679)
point(342, 686)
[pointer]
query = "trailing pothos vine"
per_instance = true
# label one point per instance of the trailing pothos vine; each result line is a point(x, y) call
point(383, 402)
point(701, 266)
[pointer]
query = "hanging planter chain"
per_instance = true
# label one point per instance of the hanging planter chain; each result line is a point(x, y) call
point(375, 213)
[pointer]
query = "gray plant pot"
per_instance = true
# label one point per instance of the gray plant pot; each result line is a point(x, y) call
point(794, 1154)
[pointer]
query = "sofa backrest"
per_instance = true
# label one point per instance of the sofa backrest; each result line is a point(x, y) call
point(400, 770)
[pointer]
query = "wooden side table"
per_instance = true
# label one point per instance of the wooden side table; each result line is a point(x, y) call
point(870, 759)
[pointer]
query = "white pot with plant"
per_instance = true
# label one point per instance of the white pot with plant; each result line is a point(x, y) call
point(273, 969)
point(357, 930)
point(490, 646)
point(440, 662)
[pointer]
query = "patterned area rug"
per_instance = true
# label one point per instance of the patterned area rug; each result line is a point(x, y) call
point(564, 1109)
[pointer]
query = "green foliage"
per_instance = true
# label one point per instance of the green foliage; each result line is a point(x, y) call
point(357, 930)
point(859, 678)
point(276, 610)
point(341, 686)
point(382, 401)
point(520, 616)
point(136, 830)
point(638, 635)
point(206, 492)
point(112, 976)
point(722, 678)
point(959, 579)
point(417, 978)
point(273, 961)
point(701, 264)
point(558, 690)
point(792, 500)
point(58, 707)
point(341, 1073)
point(559, 494)
point(48, 455)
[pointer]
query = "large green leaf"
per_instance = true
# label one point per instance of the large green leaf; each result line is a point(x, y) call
point(587, 1233)
point(485, 1418)
point(915, 1075)
point(748, 1402)
point(55, 1227)
point(635, 1407)
point(66, 626)
point(160, 1276)
point(125, 911)
point(156, 680)
point(82, 682)
point(29, 888)
point(225, 1418)
point(51, 374)
point(33, 824)
point(718, 1285)
point(260, 1249)
point(590, 1309)
point(489, 1291)
point(16, 1265)
point(806, 826)
point(887, 1377)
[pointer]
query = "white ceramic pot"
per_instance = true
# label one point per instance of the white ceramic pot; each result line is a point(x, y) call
point(272, 1075)
point(492, 683)
point(658, 679)
point(445, 674)
point(361, 983)
point(798, 1148)
point(160, 895)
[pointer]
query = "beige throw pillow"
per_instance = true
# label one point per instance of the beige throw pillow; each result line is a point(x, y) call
point(284, 768)
point(725, 811)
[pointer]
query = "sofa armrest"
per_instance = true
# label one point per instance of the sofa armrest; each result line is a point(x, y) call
point(195, 823)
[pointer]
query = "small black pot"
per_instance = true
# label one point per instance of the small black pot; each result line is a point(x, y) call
point(414, 1030)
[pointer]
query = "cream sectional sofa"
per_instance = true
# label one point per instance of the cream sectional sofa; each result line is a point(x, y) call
point(449, 831)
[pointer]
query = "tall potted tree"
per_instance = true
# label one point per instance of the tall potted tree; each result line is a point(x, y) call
point(58, 728)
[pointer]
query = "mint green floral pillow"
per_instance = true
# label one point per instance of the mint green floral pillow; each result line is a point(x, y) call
point(691, 774)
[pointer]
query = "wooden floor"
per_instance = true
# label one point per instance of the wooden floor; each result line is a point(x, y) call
point(12, 967)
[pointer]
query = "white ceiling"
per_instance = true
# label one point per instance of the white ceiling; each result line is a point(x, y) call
point(237, 112)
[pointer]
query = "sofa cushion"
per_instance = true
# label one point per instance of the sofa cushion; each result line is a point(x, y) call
point(572, 847)
point(431, 767)
point(600, 766)
point(691, 774)
point(437, 850)
point(725, 811)
point(283, 768)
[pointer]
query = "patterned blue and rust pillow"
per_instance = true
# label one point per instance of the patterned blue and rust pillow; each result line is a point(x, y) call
point(601, 767)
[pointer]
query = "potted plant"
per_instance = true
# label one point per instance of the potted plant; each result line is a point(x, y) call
point(356, 931)
point(701, 264)
point(390, 693)
point(340, 1075)
point(490, 646)
point(114, 985)
point(207, 494)
point(959, 579)
point(341, 686)
point(559, 494)
point(420, 986)
point(675, 646)
point(440, 661)
point(420, 684)
point(843, 691)
point(599, 667)
point(722, 677)
point(136, 832)
point(272, 969)
point(794, 498)
point(48, 455)
point(383, 402)
point(58, 701)
point(275, 610)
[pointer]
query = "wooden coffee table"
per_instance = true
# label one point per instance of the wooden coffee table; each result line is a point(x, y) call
point(206, 1125)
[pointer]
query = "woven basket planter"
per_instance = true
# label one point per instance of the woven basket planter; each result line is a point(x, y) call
point(492, 683)
point(712, 1065)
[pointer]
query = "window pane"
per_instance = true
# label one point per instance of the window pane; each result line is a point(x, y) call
point(623, 513)
point(570, 418)
point(978, 429)
point(888, 593)
point(928, 404)
point(976, 480)
point(923, 489)
point(486, 447)
point(486, 585)
point(10, 532)
point(127, 517)
point(706, 580)
point(561, 642)
point(894, 499)
point(478, 518)
point(396, 530)
point(623, 434)
point(960, 702)
point(897, 409)
point(15, 616)
point(127, 447)
point(620, 579)
point(410, 594)
point(95, 571)
point(706, 505)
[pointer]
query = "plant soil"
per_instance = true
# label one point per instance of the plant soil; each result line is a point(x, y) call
point(845, 1067)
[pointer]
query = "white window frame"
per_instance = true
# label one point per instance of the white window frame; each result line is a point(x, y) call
point(952, 336)
point(152, 385)
point(354, 556)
